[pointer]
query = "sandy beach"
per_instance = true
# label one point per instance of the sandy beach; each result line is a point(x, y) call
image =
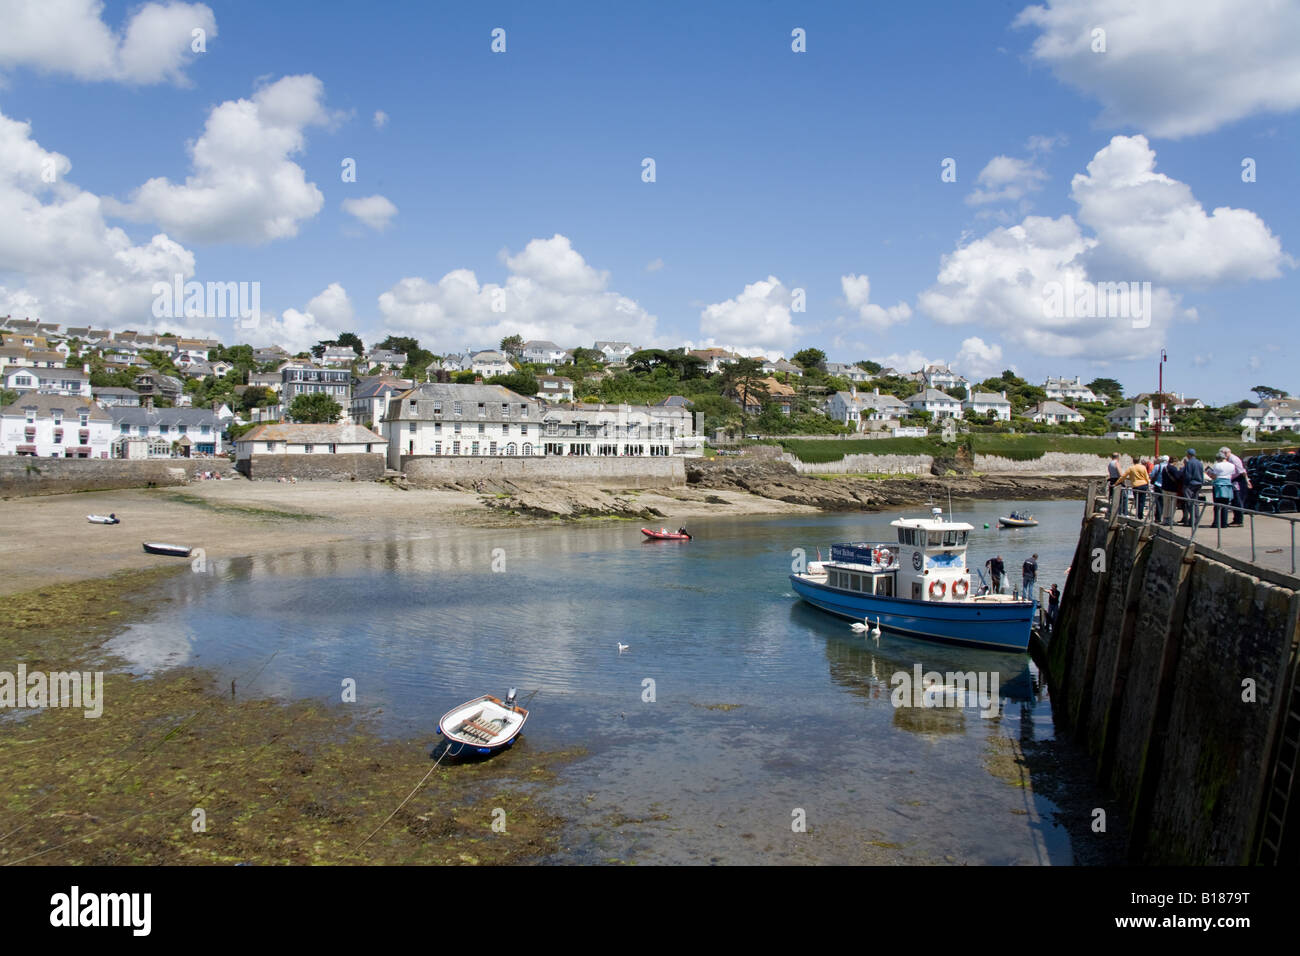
point(47, 540)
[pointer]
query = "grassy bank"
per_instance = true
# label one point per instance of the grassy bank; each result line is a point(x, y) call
point(300, 782)
point(1018, 447)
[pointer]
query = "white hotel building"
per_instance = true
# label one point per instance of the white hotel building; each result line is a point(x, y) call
point(439, 420)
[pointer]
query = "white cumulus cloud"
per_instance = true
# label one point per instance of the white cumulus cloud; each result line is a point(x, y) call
point(380, 119)
point(1029, 281)
point(375, 211)
point(70, 37)
point(1006, 179)
point(875, 318)
point(1173, 67)
point(758, 319)
point(59, 260)
point(244, 188)
point(327, 314)
point(550, 293)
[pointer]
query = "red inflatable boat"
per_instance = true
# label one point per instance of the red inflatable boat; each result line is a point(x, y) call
point(664, 535)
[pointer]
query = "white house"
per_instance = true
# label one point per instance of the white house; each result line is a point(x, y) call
point(55, 426)
point(336, 355)
point(941, 377)
point(1068, 390)
point(308, 440)
point(1135, 416)
point(200, 427)
point(1274, 414)
point(543, 352)
point(855, 409)
point(985, 404)
point(935, 402)
point(615, 353)
point(56, 381)
point(489, 363)
point(372, 395)
point(1053, 413)
point(555, 388)
point(850, 372)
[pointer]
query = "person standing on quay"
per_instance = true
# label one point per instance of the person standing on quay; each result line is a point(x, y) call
point(1221, 473)
point(1138, 477)
point(1158, 488)
point(1112, 472)
point(1240, 485)
point(1193, 479)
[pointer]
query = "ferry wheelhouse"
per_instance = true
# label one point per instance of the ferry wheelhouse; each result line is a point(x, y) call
point(919, 585)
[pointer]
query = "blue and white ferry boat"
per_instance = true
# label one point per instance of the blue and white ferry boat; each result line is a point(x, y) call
point(918, 585)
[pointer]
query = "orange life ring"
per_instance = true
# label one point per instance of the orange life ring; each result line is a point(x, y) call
point(960, 588)
point(938, 586)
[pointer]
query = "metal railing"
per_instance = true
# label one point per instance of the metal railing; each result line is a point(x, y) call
point(1141, 506)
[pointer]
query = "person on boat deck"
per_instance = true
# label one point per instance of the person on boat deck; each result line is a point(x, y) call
point(1030, 573)
point(996, 570)
point(682, 530)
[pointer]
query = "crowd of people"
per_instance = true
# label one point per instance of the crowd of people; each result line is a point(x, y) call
point(1177, 486)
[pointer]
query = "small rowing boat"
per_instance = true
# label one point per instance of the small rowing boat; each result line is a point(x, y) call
point(104, 519)
point(1014, 520)
point(170, 550)
point(663, 534)
point(485, 723)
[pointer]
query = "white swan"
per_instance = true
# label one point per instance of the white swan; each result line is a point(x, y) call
point(860, 626)
point(875, 631)
point(622, 647)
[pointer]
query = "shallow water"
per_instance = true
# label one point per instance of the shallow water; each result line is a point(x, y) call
point(736, 711)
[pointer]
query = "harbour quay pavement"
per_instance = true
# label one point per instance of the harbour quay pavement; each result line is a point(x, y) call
point(1266, 541)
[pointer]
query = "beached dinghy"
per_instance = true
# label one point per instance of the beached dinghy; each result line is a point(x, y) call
point(486, 723)
point(104, 519)
point(1015, 520)
point(171, 550)
point(663, 534)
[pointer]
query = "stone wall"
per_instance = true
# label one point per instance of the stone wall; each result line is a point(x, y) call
point(865, 465)
point(315, 467)
point(427, 472)
point(23, 475)
point(1051, 463)
point(1171, 668)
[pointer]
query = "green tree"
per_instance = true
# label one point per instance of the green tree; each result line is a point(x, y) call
point(745, 379)
point(352, 339)
point(868, 366)
point(1107, 386)
point(810, 358)
point(513, 345)
point(1265, 392)
point(523, 382)
point(7, 397)
point(315, 408)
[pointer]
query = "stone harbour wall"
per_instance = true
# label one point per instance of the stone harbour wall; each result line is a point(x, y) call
point(434, 471)
point(21, 476)
point(316, 467)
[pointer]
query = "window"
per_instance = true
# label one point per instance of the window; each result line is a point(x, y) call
point(473, 448)
point(505, 409)
point(307, 449)
point(482, 428)
point(455, 408)
point(437, 407)
point(523, 429)
point(455, 448)
point(437, 448)
point(492, 448)
point(482, 409)
point(31, 417)
point(523, 411)
point(412, 405)
point(855, 582)
point(58, 418)
point(437, 428)
point(411, 428)
point(333, 448)
point(456, 428)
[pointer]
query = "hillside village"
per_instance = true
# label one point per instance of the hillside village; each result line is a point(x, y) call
point(145, 396)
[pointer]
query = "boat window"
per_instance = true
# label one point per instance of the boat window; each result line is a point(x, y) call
point(961, 537)
point(856, 582)
point(902, 536)
point(936, 538)
point(950, 537)
point(885, 585)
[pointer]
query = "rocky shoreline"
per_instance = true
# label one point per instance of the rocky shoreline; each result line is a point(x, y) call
point(719, 486)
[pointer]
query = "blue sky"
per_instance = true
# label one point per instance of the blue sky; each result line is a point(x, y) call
point(503, 192)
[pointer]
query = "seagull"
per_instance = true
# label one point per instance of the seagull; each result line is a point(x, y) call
point(622, 647)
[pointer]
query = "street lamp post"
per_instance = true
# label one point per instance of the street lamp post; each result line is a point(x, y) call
point(1160, 389)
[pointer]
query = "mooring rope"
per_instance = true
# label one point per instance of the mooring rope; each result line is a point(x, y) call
point(408, 796)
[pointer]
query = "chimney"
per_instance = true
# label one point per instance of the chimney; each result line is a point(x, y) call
point(876, 390)
point(86, 368)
